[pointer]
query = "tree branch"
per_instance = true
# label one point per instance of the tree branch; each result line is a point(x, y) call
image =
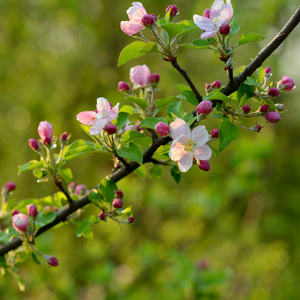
point(63, 214)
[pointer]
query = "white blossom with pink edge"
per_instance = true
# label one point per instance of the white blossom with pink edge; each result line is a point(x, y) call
point(135, 15)
point(187, 144)
point(220, 14)
point(139, 76)
point(99, 118)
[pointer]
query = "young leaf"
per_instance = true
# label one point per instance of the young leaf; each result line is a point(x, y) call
point(136, 137)
point(81, 147)
point(234, 27)
point(108, 189)
point(182, 87)
point(31, 165)
point(217, 96)
point(250, 37)
point(187, 26)
point(164, 102)
point(132, 152)
point(141, 171)
point(176, 174)
point(130, 52)
point(190, 97)
point(150, 122)
point(121, 120)
point(138, 101)
point(162, 152)
point(198, 44)
point(227, 132)
point(251, 81)
point(44, 219)
point(156, 171)
point(150, 47)
point(95, 198)
point(172, 29)
point(66, 174)
point(38, 173)
point(87, 222)
point(175, 110)
point(245, 89)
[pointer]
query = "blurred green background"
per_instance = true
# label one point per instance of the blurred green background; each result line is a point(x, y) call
point(230, 233)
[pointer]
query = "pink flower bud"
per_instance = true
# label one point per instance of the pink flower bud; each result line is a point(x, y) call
point(273, 92)
point(204, 107)
point(119, 194)
point(206, 13)
point(216, 84)
point(32, 210)
point(47, 209)
point(264, 108)
point(225, 29)
point(287, 83)
point(204, 165)
point(215, 133)
point(110, 128)
point(15, 212)
point(20, 222)
point(174, 10)
point(139, 75)
point(123, 86)
point(81, 190)
point(147, 20)
point(33, 144)
point(208, 87)
point(162, 128)
point(64, 136)
point(52, 261)
point(272, 116)
point(153, 79)
point(102, 216)
point(257, 128)
point(45, 132)
point(10, 186)
point(246, 109)
point(131, 219)
point(117, 203)
point(268, 71)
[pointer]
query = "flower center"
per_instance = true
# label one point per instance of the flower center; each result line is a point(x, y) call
point(189, 145)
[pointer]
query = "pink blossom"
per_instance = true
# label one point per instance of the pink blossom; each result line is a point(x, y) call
point(162, 128)
point(135, 15)
point(20, 222)
point(287, 83)
point(117, 203)
point(139, 76)
point(32, 210)
point(45, 131)
point(99, 118)
point(220, 14)
point(187, 144)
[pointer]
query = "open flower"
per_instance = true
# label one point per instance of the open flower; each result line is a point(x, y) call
point(135, 15)
point(219, 15)
point(139, 76)
point(100, 117)
point(187, 144)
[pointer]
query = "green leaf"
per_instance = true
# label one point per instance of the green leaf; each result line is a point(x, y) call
point(227, 132)
point(250, 37)
point(150, 47)
point(127, 211)
point(175, 110)
point(176, 174)
point(156, 171)
point(130, 52)
point(141, 171)
point(35, 258)
point(121, 120)
point(190, 97)
point(245, 89)
point(86, 223)
point(161, 22)
point(20, 281)
point(108, 189)
point(251, 81)
point(31, 165)
point(182, 87)
point(187, 26)
point(66, 175)
point(234, 27)
point(217, 96)
point(238, 70)
point(38, 173)
point(150, 122)
point(162, 152)
point(3, 263)
point(132, 152)
point(95, 198)
point(164, 102)
point(126, 109)
point(138, 101)
point(172, 29)
point(198, 44)
point(81, 147)
point(44, 219)
point(136, 137)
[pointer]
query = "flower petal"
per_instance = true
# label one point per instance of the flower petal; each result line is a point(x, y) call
point(202, 152)
point(186, 162)
point(136, 12)
point(179, 127)
point(131, 27)
point(200, 135)
point(204, 23)
point(176, 151)
point(209, 34)
point(139, 75)
point(218, 5)
point(225, 17)
point(103, 105)
point(86, 117)
point(97, 127)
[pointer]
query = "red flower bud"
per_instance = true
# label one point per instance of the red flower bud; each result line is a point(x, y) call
point(287, 83)
point(162, 128)
point(257, 128)
point(33, 144)
point(52, 261)
point(153, 79)
point(64, 136)
point(10, 186)
point(264, 108)
point(32, 210)
point(123, 86)
point(268, 71)
point(246, 109)
point(102, 216)
point(117, 203)
point(119, 194)
point(110, 128)
point(215, 133)
point(204, 107)
point(147, 20)
point(20, 222)
point(45, 132)
point(272, 116)
point(15, 212)
point(273, 92)
point(204, 165)
point(225, 29)
point(131, 219)
point(216, 84)
point(206, 13)
point(174, 10)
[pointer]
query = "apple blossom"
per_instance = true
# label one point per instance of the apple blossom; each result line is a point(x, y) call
point(219, 15)
point(20, 222)
point(187, 144)
point(99, 118)
point(45, 132)
point(287, 83)
point(139, 76)
point(135, 15)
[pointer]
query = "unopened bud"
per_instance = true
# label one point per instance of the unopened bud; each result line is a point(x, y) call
point(110, 128)
point(33, 144)
point(153, 79)
point(10, 186)
point(216, 84)
point(45, 132)
point(47, 209)
point(117, 203)
point(256, 128)
point(272, 116)
point(123, 86)
point(15, 212)
point(32, 210)
point(174, 10)
point(204, 165)
point(208, 87)
point(81, 190)
point(119, 194)
point(204, 107)
point(273, 92)
point(162, 128)
point(264, 108)
point(51, 261)
point(206, 13)
point(131, 219)
point(102, 216)
point(287, 83)
point(215, 133)
point(20, 222)
point(225, 29)
point(64, 137)
point(147, 20)
point(268, 71)
point(246, 109)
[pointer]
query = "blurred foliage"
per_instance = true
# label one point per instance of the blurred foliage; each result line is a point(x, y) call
point(230, 233)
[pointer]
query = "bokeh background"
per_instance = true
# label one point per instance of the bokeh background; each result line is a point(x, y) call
point(230, 233)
